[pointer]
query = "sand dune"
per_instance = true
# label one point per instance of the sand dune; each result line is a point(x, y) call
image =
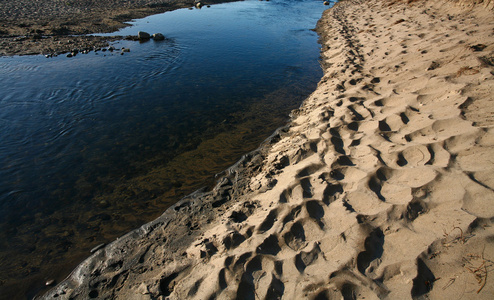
point(380, 187)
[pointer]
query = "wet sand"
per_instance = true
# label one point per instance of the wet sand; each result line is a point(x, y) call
point(379, 187)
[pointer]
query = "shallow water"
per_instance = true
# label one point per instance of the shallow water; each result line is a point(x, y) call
point(96, 145)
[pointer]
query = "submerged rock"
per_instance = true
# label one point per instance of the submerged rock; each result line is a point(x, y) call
point(97, 247)
point(50, 282)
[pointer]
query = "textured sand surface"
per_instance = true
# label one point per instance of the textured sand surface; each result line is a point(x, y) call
point(380, 187)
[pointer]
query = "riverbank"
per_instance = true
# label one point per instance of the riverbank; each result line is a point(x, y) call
point(380, 186)
point(53, 27)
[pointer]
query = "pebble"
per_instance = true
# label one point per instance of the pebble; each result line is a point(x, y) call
point(50, 282)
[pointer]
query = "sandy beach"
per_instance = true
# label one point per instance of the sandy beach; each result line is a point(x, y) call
point(381, 186)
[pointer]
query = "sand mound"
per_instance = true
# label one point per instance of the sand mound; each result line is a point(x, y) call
point(381, 187)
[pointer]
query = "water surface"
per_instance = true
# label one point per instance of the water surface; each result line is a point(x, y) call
point(96, 145)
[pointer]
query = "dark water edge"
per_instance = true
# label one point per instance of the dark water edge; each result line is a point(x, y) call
point(150, 193)
point(50, 242)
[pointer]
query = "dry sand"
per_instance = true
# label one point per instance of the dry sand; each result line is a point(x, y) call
point(380, 187)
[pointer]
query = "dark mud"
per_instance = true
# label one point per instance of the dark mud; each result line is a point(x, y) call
point(54, 27)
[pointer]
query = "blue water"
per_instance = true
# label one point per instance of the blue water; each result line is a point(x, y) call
point(95, 145)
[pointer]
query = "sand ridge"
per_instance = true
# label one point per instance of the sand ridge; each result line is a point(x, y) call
point(380, 187)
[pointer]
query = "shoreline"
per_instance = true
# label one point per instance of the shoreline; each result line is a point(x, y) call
point(378, 187)
point(106, 230)
point(65, 27)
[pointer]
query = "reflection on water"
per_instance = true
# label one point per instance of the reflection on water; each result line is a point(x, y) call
point(96, 145)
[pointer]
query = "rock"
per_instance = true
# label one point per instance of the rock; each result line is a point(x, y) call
point(326, 2)
point(103, 204)
point(158, 37)
point(141, 35)
point(125, 50)
point(50, 282)
point(198, 4)
point(111, 48)
point(69, 55)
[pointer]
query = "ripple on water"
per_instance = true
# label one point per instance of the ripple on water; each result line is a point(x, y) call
point(9, 68)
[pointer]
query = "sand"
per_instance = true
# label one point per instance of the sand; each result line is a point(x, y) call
point(380, 187)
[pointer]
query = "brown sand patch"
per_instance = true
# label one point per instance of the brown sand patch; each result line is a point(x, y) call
point(54, 27)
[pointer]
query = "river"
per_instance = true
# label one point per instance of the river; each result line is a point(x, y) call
point(95, 145)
